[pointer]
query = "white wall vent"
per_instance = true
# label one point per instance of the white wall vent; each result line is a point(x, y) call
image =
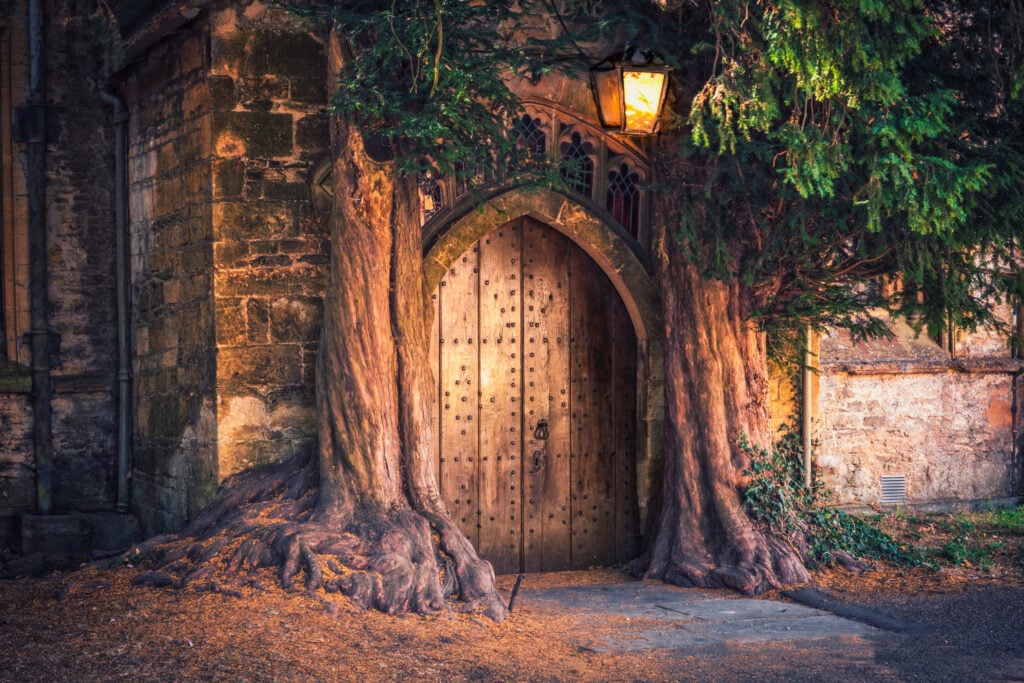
point(894, 488)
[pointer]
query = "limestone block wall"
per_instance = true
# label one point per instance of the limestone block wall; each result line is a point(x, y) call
point(905, 406)
point(81, 267)
point(229, 255)
point(269, 133)
point(17, 476)
point(175, 457)
point(80, 264)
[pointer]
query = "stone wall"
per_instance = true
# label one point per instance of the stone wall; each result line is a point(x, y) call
point(17, 473)
point(175, 466)
point(269, 86)
point(80, 263)
point(229, 256)
point(81, 269)
point(905, 406)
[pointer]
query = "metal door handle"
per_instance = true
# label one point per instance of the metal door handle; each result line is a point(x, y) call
point(542, 430)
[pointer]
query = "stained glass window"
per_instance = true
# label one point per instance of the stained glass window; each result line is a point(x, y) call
point(530, 136)
point(578, 165)
point(623, 198)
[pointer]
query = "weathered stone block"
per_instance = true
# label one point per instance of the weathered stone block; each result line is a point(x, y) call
point(271, 260)
point(253, 134)
point(259, 94)
point(195, 101)
point(27, 565)
point(230, 254)
point(222, 93)
point(298, 278)
point(167, 416)
point(54, 535)
point(163, 334)
point(112, 531)
point(264, 247)
point(286, 191)
point(287, 54)
point(245, 221)
point(255, 431)
point(197, 259)
point(247, 367)
point(231, 323)
point(312, 134)
point(308, 89)
point(258, 321)
point(295, 319)
point(227, 178)
point(197, 327)
point(191, 53)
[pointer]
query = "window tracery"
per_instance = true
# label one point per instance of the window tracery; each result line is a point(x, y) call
point(622, 198)
point(577, 164)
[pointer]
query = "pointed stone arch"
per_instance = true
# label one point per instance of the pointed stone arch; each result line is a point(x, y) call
point(621, 260)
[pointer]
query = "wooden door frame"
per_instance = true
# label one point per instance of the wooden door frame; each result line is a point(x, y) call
point(624, 269)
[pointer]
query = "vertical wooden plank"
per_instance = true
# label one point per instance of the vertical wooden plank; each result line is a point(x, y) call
point(435, 369)
point(624, 425)
point(546, 397)
point(593, 505)
point(457, 392)
point(500, 397)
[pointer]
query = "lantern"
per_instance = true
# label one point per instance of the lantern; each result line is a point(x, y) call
point(630, 91)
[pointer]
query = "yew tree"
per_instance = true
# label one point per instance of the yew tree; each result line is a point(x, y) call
point(827, 146)
point(816, 146)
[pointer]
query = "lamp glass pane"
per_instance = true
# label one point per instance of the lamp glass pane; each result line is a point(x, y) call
point(642, 91)
point(609, 102)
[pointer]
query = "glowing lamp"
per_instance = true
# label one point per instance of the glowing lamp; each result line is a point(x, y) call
point(630, 91)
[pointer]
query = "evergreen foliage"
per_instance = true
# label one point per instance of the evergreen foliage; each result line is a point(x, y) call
point(836, 142)
point(819, 145)
point(424, 79)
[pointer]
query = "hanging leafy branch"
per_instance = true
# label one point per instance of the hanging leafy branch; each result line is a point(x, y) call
point(425, 78)
point(831, 143)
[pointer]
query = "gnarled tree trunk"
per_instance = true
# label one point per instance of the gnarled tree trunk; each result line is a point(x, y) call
point(363, 516)
point(716, 394)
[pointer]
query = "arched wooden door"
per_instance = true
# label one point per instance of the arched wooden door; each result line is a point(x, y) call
point(535, 360)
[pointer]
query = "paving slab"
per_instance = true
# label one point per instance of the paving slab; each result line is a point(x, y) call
point(691, 618)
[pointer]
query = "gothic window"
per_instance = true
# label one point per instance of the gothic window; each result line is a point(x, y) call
point(470, 175)
point(578, 165)
point(530, 138)
point(623, 198)
point(431, 201)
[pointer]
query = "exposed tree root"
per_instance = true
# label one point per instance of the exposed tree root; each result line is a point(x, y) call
point(764, 562)
point(389, 560)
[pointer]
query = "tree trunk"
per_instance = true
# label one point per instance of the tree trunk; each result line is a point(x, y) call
point(716, 394)
point(361, 516)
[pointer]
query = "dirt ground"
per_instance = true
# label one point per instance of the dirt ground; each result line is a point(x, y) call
point(967, 624)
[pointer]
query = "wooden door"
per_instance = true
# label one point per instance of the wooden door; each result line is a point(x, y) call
point(535, 360)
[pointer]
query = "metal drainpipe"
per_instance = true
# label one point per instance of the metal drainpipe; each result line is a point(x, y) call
point(124, 369)
point(39, 304)
point(807, 404)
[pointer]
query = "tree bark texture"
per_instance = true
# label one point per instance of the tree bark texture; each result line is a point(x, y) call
point(716, 394)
